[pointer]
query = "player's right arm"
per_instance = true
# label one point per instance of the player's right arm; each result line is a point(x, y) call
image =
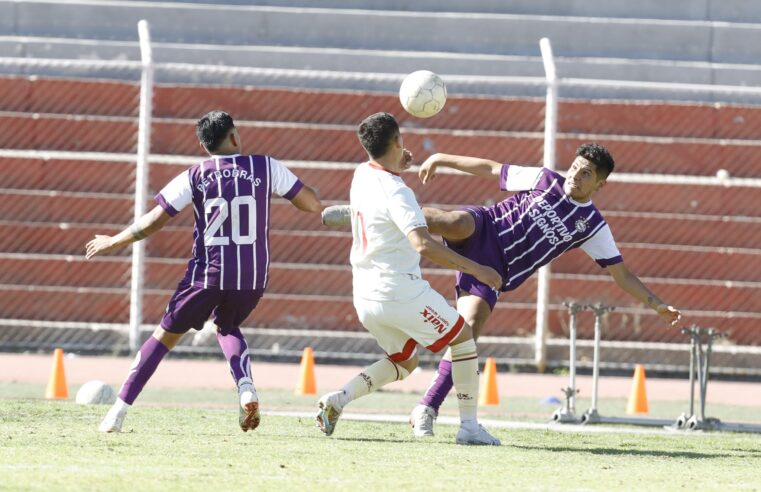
point(146, 225)
point(427, 246)
point(476, 166)
point(307, 200)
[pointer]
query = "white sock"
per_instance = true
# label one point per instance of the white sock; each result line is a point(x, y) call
point(246, 384)
point(373, 377)
point(465, 378)
point(120, 405)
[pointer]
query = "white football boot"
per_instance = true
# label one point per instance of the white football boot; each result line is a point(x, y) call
point(421, 419)
point(249, 416)
point(114, 419)
point(336, 215)
point(331, 405)
point(480, 437)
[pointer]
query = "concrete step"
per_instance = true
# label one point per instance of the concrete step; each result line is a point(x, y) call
point(489, 33)
point(651, 119)
point(339, 143)
point(661, 261)
point(337, 314)
point(717, 10)
point(349, 60)
point(327, 280)
point(665, 229)
point(333, 184)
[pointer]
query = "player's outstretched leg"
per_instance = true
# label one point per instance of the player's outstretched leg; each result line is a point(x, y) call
point(426, 411)
point(372, 378)
point(145, 364)
point(465, 375)
point(336, 215)
point(235, 348)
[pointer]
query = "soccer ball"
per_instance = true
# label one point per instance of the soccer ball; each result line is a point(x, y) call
point(96, 393)
point(423, 94)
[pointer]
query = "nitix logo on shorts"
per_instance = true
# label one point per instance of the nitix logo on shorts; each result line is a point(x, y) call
point(429, 314)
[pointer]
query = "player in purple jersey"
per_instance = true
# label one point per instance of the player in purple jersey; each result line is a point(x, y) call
point(230, 195)
point(548, 215)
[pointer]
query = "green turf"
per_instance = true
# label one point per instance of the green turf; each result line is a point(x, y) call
point(55, 446)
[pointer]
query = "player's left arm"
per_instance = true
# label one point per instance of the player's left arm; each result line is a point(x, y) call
point(631, 284)
point(146, 225)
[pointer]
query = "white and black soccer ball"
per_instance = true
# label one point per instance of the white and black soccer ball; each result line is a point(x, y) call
point(423, 94)
point(96, 393)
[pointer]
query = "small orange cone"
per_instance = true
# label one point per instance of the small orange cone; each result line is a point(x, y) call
point(638, 396)
point(307, 385)
point(57, 389)
point(489, 395)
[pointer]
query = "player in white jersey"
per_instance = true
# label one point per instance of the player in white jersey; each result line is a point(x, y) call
point(392, 300)
point(230, 195)
point(548, 215)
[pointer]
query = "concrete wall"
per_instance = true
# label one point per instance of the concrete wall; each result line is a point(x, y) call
point(715, 10)
point(504, 34)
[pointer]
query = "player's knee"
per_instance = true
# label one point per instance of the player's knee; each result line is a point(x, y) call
point(167, 338)
point(408, 365)
point(466, 333)
point(475, 327)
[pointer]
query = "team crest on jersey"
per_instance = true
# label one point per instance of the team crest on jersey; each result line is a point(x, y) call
point(581, 225)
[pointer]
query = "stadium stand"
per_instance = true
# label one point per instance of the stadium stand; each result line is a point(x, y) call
point(697, 245)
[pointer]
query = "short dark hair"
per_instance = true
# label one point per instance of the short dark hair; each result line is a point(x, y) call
point(213, 128)
point(376, 133)
point(599, 156)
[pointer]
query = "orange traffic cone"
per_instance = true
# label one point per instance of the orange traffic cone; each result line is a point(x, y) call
point(638, 396)
point(489, 395)
point(307, 385)
point(57, 389)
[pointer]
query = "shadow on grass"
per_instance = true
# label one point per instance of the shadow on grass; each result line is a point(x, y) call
point(746, 453)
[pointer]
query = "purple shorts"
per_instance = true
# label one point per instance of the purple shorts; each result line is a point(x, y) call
point(483, 247)
point(191, 306)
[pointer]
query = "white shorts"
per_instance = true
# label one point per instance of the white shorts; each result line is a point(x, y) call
point(399, 326)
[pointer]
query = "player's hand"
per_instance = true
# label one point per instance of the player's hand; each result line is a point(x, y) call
point(490, 277)
point(669, 313)
point(427, 170)
point(99, 246)
point(406, 161)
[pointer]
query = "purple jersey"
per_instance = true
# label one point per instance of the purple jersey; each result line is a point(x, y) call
point(231, 201)
point(540, 222)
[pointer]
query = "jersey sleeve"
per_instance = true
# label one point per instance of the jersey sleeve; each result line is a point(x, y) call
point(284, 182)
point(602, 248)
point(518, 178)
point(176, 195)
point(405, 211)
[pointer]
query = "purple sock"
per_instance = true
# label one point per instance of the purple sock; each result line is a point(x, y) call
point(236, 352)
point(145, 364)
point(439, 387)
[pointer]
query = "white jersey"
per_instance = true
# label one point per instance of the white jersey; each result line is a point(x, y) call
point(384, 210)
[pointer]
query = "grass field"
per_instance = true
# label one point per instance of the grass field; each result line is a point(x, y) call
point(190, 441)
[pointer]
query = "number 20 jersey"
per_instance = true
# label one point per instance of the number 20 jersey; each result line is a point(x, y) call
point(231, 202)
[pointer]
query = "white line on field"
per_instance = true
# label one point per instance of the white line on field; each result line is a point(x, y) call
point(499, 424)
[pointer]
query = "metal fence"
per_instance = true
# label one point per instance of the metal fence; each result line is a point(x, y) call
point(69, 171)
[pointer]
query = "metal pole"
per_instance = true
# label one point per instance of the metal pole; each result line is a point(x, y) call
point(692, 371)
point(599, 310)
point(709, 343)
point(572, 363)
point(141, 183)
point(550, 135)
point(596, 360)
